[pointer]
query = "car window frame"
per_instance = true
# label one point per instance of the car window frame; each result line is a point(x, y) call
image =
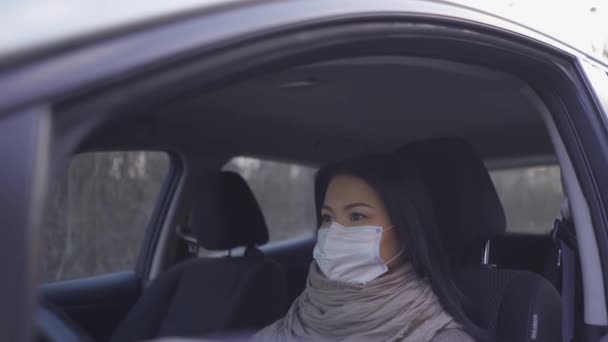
point(167, 195)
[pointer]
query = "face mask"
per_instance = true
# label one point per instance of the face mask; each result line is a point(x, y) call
point(351, 254)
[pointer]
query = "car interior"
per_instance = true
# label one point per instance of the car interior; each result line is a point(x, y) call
point(453, 120)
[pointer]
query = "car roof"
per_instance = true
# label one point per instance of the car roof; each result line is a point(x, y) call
point(35, 26)
point(273, 16)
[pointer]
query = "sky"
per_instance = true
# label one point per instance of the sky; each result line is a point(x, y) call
point(581, 23)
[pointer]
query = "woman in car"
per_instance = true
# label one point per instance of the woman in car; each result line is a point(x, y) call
point(379, 270)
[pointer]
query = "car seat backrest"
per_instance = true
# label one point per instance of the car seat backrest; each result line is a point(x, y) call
point(226, 214)
point(214, 295)
point(469, 211)
point(512, 305)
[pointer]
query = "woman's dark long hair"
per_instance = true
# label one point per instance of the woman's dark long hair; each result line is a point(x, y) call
point(410, 209)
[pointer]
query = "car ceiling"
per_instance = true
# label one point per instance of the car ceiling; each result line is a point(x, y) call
point(321, 112)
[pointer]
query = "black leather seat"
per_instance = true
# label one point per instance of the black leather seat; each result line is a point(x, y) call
point(513, 305)
point(206, 296)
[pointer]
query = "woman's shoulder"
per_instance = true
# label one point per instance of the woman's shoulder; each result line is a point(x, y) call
point(453, 335)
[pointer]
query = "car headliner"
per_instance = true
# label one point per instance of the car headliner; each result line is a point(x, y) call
point(321, 112)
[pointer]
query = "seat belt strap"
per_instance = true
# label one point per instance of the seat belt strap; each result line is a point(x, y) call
point(562, 236)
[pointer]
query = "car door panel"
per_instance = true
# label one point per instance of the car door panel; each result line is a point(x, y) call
point(96, 304)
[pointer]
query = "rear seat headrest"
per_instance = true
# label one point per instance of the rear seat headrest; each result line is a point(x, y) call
point(226, 214)
point(468, 209)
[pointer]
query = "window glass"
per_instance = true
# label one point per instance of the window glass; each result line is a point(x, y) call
point(285, 192)
point(531, 196)
point(98, 211)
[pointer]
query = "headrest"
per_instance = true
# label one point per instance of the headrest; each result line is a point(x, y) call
point(468, 209)
point(226, 214)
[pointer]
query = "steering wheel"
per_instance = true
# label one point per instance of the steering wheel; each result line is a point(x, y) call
point(54, 326)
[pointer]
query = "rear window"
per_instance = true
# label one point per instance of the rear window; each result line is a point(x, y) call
point(98, 211)
point(531, 196)
point(285, 192)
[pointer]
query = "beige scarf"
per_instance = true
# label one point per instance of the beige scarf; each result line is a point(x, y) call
point(398, 306)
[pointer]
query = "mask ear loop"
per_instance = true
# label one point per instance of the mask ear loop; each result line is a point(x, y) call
point(395, 257)
point(389, 228)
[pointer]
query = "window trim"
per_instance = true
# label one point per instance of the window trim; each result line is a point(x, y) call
point(159, 215)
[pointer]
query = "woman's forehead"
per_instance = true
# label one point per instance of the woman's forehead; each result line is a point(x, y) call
point(345, 189)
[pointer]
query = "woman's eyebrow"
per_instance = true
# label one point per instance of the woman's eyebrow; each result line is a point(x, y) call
point(357, 204)
point(326, 207)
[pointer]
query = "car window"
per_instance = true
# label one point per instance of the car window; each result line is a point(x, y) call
point(531, 196)
point(98, 211)
point(285, 192)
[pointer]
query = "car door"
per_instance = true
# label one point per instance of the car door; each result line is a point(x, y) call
point(86, 77)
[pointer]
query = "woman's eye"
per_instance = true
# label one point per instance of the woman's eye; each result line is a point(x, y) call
point(357, 216)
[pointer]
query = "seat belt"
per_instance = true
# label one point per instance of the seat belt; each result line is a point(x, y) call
point(564, 237)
